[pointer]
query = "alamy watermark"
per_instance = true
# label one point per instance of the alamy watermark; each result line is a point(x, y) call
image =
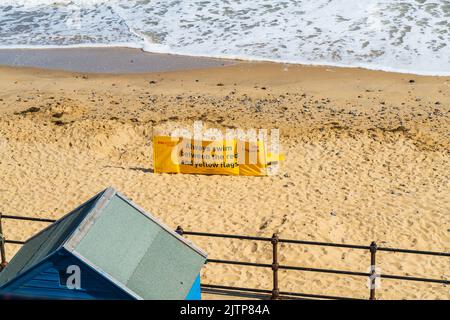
point(3, 144)
point(374, 280)
point(213, 148)
point(73, 18)
point(73, 281)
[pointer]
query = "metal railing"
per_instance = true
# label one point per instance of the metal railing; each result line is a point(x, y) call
point(275, 266)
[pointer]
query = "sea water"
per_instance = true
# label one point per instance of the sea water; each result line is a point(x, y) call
point(407, 36)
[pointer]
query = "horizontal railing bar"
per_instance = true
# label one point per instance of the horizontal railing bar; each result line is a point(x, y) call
point(267, 294)
point(326, 244)
point(15, 242)
point(282, 293)
point(350, 273)
point(406, 278)
point(241, 263)
point(229, 236)
point(4, 216)
point(265, 265)
point(214, 286)
point(235, 293)
point(429, 253)
point(316, 296)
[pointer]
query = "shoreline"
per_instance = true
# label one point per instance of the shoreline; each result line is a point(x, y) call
point(104, 60)
point(128, 60)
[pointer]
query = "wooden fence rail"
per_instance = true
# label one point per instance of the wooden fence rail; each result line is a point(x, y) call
point(275, 266)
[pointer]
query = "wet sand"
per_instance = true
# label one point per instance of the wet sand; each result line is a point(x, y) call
point(104, 60)
point(367, 159)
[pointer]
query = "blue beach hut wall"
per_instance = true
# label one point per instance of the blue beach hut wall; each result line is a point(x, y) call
point(108, 248)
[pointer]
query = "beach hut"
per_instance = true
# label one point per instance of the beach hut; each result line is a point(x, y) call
point(108, 248)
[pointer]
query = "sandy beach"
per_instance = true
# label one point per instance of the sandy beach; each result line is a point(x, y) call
point(367, 159)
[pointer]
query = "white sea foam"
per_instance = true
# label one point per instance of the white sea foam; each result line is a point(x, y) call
point(407, 36)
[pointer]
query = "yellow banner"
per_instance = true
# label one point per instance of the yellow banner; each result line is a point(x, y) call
point(229, 157)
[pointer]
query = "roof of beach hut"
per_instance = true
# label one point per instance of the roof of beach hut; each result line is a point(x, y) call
point(120, 241)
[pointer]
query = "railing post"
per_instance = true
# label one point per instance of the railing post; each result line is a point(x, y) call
point(373, 272)
point(2, 247)
point(179, 230)
point(275, 266)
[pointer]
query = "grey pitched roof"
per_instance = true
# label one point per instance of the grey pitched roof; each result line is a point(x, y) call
point(46, 242)
point(123, 243)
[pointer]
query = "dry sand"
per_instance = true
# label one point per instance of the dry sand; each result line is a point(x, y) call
point(367, 159)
